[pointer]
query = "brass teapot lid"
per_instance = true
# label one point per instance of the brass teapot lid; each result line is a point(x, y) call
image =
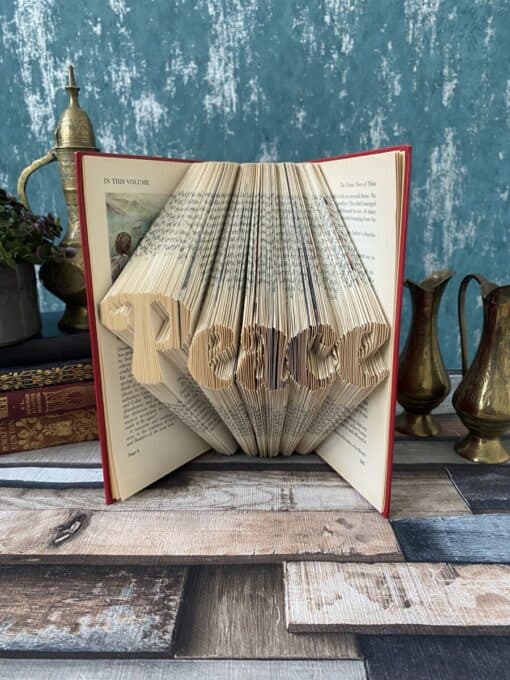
point(74, 129)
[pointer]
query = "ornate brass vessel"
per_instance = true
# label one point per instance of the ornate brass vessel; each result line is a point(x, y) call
point(423, 381)
point(482, 400)
point(66, 279)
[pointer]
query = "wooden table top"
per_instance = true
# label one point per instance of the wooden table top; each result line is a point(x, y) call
point(235, 567)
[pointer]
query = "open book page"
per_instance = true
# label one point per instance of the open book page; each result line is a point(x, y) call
point(122, 197)
point(368, 191)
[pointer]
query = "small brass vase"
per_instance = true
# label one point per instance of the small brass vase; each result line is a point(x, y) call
point(482, 400)
point(66, 279)
point(423, 381)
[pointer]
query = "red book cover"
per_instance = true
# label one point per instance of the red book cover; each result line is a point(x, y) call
point(44, 400)
point(37, 432)
point(404, 149)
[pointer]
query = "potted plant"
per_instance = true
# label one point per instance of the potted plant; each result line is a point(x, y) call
point(25, 240)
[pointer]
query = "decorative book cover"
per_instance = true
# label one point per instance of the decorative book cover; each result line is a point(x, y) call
point(45, 374)
point(260, 311)
point(43, 400)
point(37, 432)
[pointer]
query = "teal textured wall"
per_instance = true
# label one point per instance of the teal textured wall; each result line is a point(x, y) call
point(282, 80)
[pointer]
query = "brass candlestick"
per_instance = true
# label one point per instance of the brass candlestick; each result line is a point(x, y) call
point(482, 400)
point(423, 381)
point(66, 279)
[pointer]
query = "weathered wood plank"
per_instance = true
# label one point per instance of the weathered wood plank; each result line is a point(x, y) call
point(425, 454)
point(49, 477)
point(486, 488)
point(238, 612)
point(104, 537)
point(89, 610)
point(425, 494)
point(482, 539)
point(158, 669)
point(391, 657)
point(188, 489)
point(403, 598)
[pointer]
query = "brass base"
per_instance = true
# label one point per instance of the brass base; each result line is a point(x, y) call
point(417, 424)
point(75, 318)
point(482, 449)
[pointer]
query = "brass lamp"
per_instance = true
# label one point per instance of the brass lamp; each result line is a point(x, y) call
point(66, 279)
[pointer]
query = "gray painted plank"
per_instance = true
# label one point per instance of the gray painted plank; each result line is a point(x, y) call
point(472, 538)
point(158, 669)
point(425, 494)
point(238, 612)
point(486, 488)
point(189, 489)
point(403, 598)
point(424, 453)
point(103, 537)
point(436, 657)
point(93, 610)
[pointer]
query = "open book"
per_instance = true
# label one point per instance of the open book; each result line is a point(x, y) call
point(245, 306)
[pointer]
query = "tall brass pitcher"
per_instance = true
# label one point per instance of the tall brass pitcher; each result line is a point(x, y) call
point(66, 279)
point(482, 400)
point(423, 380)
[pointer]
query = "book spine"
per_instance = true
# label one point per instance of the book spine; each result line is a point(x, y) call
point(40, 401)
point(43, 376)
point(27, 434)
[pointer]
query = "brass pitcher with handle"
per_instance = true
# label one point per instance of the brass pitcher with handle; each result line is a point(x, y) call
point(423, 381)
point(482, 400)
point(66, 279)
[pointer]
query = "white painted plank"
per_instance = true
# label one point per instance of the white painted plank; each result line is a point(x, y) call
point(83, 453)
point(397, 598)
point(55, 476)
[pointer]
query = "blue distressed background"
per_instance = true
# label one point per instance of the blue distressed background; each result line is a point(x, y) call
point(282, 80)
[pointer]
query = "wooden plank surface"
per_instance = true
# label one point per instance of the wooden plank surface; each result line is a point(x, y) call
point(238, 612)
point(425, 453)
point(158, 669)
point(471, 538)
point(391, 657)
point(404, 598)
point(425, 494)
point(96, 610)
point(103, 537)
point(223, 490)
point(486, 488)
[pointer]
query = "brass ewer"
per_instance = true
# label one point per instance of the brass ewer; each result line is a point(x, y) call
point(66, 279)
point(482, 400)
point(423, 381)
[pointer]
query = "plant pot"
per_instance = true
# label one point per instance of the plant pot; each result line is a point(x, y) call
point(19, 309)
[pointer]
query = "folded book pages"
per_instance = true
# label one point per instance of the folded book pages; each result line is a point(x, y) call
point(248, 309)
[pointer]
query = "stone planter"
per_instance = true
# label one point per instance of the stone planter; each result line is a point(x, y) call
point(19, 308)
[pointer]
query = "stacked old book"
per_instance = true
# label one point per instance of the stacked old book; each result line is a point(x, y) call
point(47, 391)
